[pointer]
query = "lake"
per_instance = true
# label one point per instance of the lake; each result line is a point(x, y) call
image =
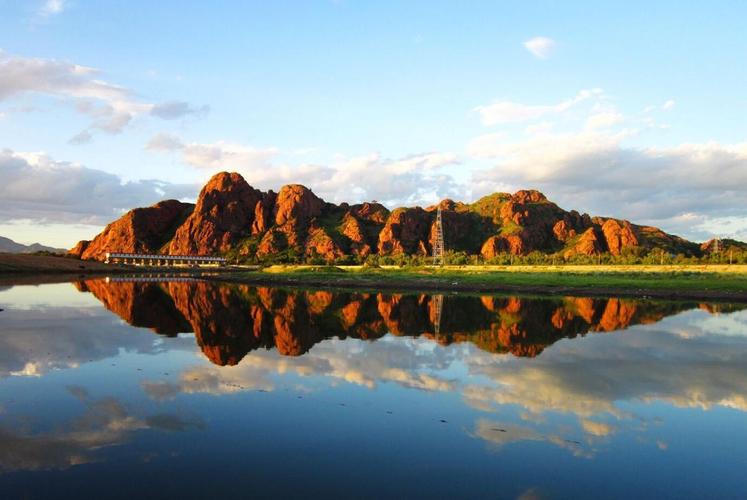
point(136, 389)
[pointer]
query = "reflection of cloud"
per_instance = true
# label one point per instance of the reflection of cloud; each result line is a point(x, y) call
point(593, 379)
point(363, 363)
point(37, 341)
point(39, 334)
point(106, 422)
point(160, 390)
point(598, 429)
point(590, 378)
point(500, 434)
point(173, 423)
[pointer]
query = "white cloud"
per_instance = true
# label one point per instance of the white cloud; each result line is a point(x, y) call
point(37, 188)
point(540, 46)
point(486, 145)
point(593, 171)
point(111, 107)
point(500, 112)
point(52, 8)
point(583, 162)
point(604, 119)
point(220, 155)
point(416, 178)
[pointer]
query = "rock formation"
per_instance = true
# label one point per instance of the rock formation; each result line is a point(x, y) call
point(142, 230)
point(224, 214)
point(232, 218)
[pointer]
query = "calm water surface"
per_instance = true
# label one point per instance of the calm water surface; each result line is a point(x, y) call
point(192, 389)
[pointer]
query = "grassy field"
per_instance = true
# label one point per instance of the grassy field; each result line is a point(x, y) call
point(670, 281)
point(718, 281)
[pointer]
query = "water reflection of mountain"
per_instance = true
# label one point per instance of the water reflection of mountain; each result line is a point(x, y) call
point(231, 320)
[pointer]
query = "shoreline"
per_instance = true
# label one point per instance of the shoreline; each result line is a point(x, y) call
point(445, 286)
point(710, 283)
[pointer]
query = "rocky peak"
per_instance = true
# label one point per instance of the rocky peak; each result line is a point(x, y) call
point(372, 212)
point(224, 214)
point(296, 203)
point(528, 196)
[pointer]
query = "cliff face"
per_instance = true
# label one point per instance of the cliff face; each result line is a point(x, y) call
point(142, 230)
point(224, 213)
point(232, 217)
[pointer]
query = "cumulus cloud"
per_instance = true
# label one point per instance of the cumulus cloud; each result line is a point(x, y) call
point(541, 47)
point(501, 112)
point(588, 165)
point(595, 172)
point(220, 155)
point(110, 107)
point(36, 187)
point(416, 178)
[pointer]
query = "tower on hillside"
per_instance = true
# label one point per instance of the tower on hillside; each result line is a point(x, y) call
point(438, 243)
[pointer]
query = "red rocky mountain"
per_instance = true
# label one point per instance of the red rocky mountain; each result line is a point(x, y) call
point(233, 218)
point(141, 230)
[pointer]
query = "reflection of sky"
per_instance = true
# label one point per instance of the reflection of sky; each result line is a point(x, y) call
point(649, 403)
point(42, 296)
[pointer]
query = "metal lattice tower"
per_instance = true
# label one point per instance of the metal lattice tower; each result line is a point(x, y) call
point(716, 244)
point(438, 244)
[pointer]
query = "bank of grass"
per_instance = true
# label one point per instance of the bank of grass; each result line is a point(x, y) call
point(686, 281)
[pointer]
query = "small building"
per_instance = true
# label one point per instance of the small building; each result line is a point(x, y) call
point(155, 260)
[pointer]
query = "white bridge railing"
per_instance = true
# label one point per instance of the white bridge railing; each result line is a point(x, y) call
point(140, 259)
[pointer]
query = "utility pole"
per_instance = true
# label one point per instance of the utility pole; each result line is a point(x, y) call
point(438, 244)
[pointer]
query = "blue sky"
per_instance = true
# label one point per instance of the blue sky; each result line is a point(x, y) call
point(625, 109)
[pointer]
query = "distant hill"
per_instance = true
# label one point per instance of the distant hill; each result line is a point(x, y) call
point(234, 219)
point(9, 246)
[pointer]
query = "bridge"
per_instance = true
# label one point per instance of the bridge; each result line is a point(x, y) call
point(153, 260)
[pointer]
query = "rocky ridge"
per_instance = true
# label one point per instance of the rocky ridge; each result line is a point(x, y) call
point(232, 218)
